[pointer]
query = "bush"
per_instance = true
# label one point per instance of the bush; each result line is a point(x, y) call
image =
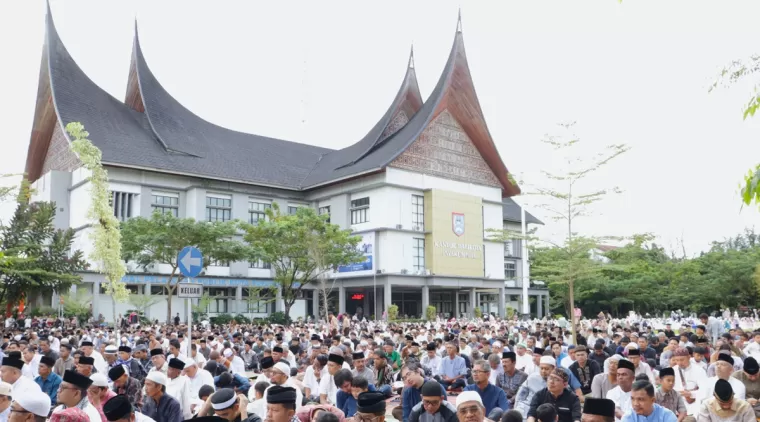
point(279, 318)
point(511, 312)
point(392, 312)
point(221, 319)
point(242, 319)
point(430, 313)
point(478, 313)
point(43, 310)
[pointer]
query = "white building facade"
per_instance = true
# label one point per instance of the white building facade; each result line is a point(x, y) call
point(422, 189)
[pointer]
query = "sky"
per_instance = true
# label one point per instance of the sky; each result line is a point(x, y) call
point(634, 73)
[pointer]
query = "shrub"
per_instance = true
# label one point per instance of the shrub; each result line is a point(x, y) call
point(478, 313)
point(279, 318)
point(221, 319)
point(392, 312)
point(43, 310)
point(242, 319)
point(430, 313)
point(510, 312)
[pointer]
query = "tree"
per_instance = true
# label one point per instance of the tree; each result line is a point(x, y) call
point(105, 236)
point(300, 247)
point(143, 302)
point(258, 295)
point(565, 199)
point(36, 258)
point(77, 305)
point(160, 238)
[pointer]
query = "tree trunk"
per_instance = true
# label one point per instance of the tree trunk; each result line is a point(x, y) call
point(571, 297)
point(170, 290)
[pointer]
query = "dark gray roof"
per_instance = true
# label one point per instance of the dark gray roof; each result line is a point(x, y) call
point(511, 212)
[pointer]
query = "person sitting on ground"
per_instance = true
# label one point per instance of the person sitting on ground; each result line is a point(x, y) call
point(433, 405)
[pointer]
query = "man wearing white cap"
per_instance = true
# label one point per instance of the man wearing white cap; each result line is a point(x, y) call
point(237, 365)
point(99, 393)
point(37, 403)
point(470, 407)
point(281, 376)
point(197, 376)
point(5, 401)
point(533, 384)
point(158, 405)
point(179, 386)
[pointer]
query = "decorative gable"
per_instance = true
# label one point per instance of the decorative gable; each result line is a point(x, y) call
point(444, 150)
point(398, 121)
point(59, 155)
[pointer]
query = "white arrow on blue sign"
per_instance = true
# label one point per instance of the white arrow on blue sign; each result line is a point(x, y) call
point(190, 261)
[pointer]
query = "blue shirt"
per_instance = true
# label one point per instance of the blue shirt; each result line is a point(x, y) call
point(492, 397)
point(659, 414)
point(411, 396)
point(238, 381)
point(453, 367)
point(573, 382)
point(347, 403)
point(49, 386)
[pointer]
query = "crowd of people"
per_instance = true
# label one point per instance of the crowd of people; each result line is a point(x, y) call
point(684, 369)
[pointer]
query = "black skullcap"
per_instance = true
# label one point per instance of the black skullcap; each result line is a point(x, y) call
point(430, 346)
point(357, 355)
point(266, 362)
point(725, 358)
point(634, 352)
point(431, 389)
point(538, 351)
point(601, 407)
point(664, 372)
point(116, 372)
point(125, 349)
point(46, 360)
point(117, 407)
point(509, 355)
point(332, 357)
point(84, 360)
point(223, 396)
point(156, 352)
point(14, 355)
point(277, 349)
point(278, 394)
point(371, 402)
point(409, 337)
point(86, 343)
point(176, 364)
point(77, 379)
point(701, 339)
point(626, 364)
point(723, 390)
point(414, 343)
point(315, 337)
point(207, 418)
point(14, 362)
point(750, 366)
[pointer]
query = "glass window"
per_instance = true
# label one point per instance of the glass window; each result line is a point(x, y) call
point(510, 269)
point(418, 212)
point(158, 290)
point(419, 254)
point(165, 203)
point(218, 263)
point(513, 248)
point(257, 211)
point(218, 208)
point(122, 203)
point(260, 264)
point(292, 210)
point(257, 306)
point(325, 211)
point(360, 210)
point(217, 306)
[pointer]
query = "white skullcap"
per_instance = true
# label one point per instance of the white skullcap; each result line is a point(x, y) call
point(364, 343)
point(282, 367)
point(466, 396)
point(99, 380)
point(227, 353)
point(111, 350)
point(34, 401)
point(157, 376)
point(189, 361)
point(547, 360)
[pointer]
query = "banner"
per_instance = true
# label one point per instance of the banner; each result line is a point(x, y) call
point(366, 246)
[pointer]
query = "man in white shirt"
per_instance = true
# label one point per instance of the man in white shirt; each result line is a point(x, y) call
point(281, 377)
point(198, 377)
point(73, 393)
point(524, 359)
point(431, 362)
point(724, 367)
point(11, 373)
point(621, 394)
point(634, 355)
point(88, 350)
point(178, 386)
point(31, 362)
point(688, 379)
point(328, 391)
point(314, 373)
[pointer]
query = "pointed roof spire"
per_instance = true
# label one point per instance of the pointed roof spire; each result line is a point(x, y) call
point(411, 57)
point(459, 20)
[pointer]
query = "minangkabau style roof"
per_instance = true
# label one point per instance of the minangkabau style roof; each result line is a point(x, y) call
point(151, 130)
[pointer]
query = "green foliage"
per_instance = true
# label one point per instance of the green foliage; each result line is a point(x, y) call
point(242, 319)
point(43, 311)
point(160, 238)
point(392, 312)
point(78, 305)
point(478, 312)
point(199, 310)
point(36, 258)
point(300, 248)
point(511, 312)
point(430, 313)
point(643, 277)
point(220, 319)
point(105, 236)
point(280, 318)
point(143, 302)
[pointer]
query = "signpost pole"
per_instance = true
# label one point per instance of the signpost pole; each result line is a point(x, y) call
point(190, 263)
point(188, 305)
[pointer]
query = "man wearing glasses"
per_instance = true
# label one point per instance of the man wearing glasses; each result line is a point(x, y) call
point(494, 399)
point(470, 407)
point(414, 380)
point(434, 406)
point(556, 392)
point(30, 406)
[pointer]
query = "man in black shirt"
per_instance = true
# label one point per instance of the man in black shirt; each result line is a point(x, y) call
point(599, 355)
point(556, 392)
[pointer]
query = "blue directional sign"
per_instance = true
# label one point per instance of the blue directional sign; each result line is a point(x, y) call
point(190, 261)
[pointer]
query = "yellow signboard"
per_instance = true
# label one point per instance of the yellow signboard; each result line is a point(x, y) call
point(454, 239)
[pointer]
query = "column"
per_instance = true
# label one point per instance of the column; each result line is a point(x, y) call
point(502, 302)
point(341, 299)
point(388, 298)
point(317, 304)
point(55, 300)
point(540, 306)
point(365, 304)
point(96, 299)
point(425, 301)
point(278, 304)
point(240, 306)
point(146, 292)
point(473, 302)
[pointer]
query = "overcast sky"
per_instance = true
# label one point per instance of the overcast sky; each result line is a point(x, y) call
point(324, 72)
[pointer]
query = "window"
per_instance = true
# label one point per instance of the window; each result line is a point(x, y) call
point(360, 210)
point(218, 303)
point(257, 211)
point(218, 263)
point(260, 264)
point(513, 248)
point(165, 203)
point(158, 290)
point(122, 203)
point(133, 289)
point(218, 208)
point(325, 211)
point(419, 254)
point(257, 301)
point(510, 269)
point(418, 212)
